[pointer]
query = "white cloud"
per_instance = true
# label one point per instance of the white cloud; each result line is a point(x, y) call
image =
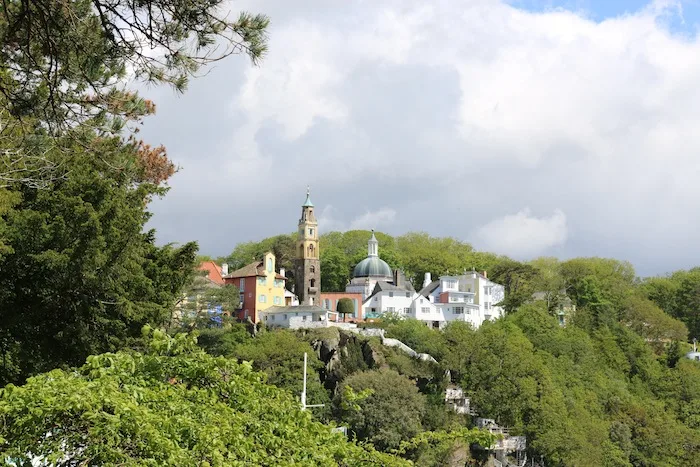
point(522, 235)
point(469, 110)
point(371, 220)
point(378, 219)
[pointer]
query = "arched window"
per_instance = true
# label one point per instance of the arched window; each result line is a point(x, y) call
point(354, 305)
point(327, 304)
point(269, 264)
point(312, 283)
point(312, 269)
point(311, 251)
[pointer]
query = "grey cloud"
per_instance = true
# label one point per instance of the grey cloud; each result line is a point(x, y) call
point(451, 118)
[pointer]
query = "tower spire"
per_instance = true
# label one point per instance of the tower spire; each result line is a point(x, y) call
point(373, 246)
point(308, 203)
point(307, 265)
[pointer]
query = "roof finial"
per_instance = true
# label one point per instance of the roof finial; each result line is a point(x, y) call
point(308, 202)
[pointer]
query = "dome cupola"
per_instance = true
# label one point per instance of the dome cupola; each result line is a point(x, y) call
point(372, 265)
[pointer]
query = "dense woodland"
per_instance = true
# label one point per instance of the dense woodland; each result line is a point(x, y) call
point(610, 388)
point(94, 370)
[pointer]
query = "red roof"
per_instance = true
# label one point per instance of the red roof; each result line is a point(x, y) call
point(213, 271)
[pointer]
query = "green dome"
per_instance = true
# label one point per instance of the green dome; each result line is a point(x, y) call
point(372, 266)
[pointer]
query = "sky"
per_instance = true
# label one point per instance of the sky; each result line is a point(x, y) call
point(526, 128)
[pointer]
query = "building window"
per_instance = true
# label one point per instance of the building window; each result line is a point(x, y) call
point(374, 310)
point(262, 280)
point(312, 269)
point(408, 294)
point(407, 310)
point(265, 317)
point(269, 264)
point(273, 317)
point(250, 294)
point(277, 300)
point(487, 290)
point(425, 309)
point(262, 298)
point(391, 294)
point(421, 300)
point(312, 283)
point(285, 316)
point(487, 305)
point(458, 310)
point(327, 304)
point(376, 299)
point(241, 284)
point(303, 318)
point(311, 232)
point(390, 309)
point(311, 251)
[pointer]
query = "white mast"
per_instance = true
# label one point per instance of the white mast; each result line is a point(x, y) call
point(303, 391)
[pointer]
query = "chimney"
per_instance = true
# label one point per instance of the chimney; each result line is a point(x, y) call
point(224, 269)
point(485, 275)
point(427, 280)
point(282, 271)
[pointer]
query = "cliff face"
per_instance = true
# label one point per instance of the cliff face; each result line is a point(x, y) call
point(344, 353)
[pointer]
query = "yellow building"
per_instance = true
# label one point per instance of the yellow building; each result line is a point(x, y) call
point(261, 286)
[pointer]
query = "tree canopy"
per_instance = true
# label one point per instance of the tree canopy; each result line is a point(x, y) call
point(171, 405)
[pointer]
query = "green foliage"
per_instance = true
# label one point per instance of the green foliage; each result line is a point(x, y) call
point(345, 307)
point(439, 448)
point(418, 336)
point(81, 277)
point(679, 296)
point(66, 71)
point(650, 322)
point(583, 396)
point(518, 280)
point(279, 354)
point(391, 413)
point(202, 297)
point(223, 341)
point(282, 246)
point(173, 405)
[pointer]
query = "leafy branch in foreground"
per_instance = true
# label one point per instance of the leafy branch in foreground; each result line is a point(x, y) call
point(172, 405)
point(60, 59)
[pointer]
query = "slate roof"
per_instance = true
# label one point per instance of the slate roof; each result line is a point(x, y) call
point(428, 289)
point(253, 269)
point(382, 286)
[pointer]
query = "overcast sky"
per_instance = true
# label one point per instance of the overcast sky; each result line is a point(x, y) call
point(527, 128)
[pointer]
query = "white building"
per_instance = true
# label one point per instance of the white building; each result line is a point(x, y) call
point(299, 316)
point(469, 298)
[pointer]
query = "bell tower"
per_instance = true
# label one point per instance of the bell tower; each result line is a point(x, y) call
point(307, 266)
